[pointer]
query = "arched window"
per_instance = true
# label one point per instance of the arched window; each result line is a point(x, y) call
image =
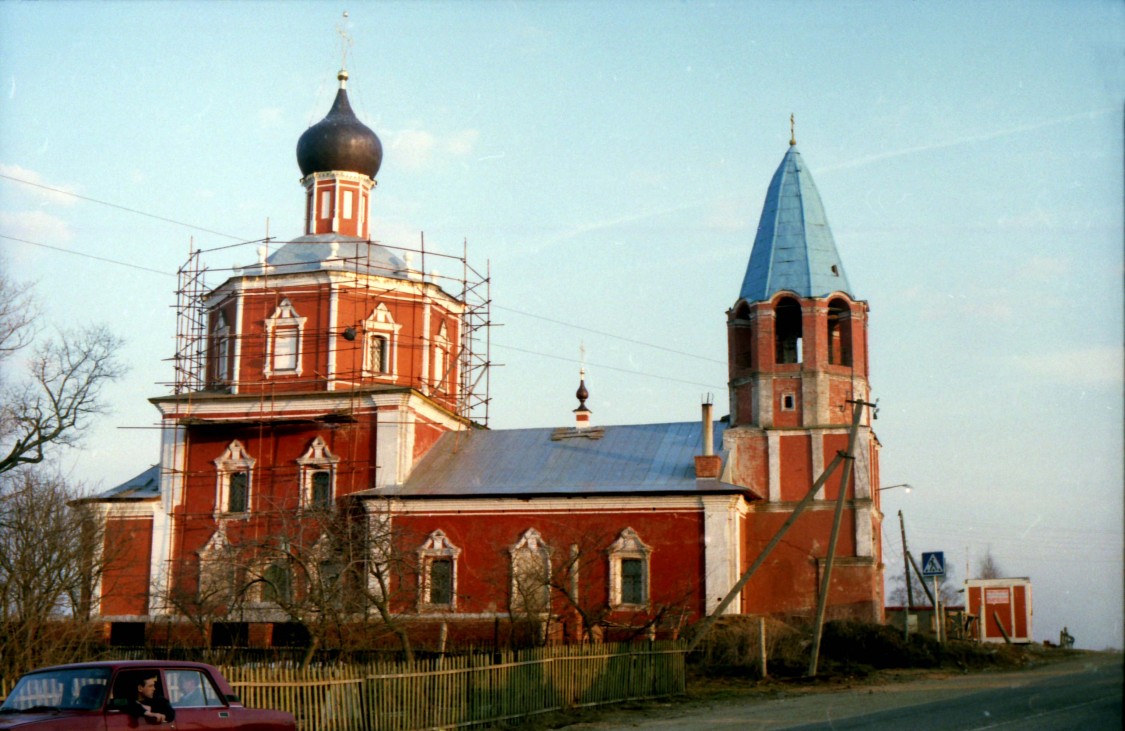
point(629, 571)
point(318, 476)
point(380, 343)
point(787, 331)
point(216, 586)
point(220, 350)
point(839, 334)
point(443, 368)
point(743, 337)
point(234, 470)
point(437, 577)
point(283, 341)
point(277, 583)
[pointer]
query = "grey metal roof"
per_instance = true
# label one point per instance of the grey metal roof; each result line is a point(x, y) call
point(634, 458)
point(794, 248)
point(144, 486)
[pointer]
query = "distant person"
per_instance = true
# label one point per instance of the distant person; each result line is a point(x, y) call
point(192, 693)
point(148, 705)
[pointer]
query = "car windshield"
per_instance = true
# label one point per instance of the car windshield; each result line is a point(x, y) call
point(62, 690)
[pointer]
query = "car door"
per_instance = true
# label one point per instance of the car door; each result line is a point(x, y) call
point(197, 701)
point(123, 690)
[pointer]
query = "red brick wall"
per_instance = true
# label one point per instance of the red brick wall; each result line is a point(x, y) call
point(128, 553)
point(484, 565)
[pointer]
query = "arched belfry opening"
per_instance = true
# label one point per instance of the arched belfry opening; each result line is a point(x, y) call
point(743, 336)
point(787, 330)
point(839, 333)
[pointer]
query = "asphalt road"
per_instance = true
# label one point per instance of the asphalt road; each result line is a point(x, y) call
point(1082, 693)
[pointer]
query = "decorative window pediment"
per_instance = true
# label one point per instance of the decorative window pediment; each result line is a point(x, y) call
point(318, 476)
point(284, 333)
point(380, 341)
point(437, 577)
point(217, 572)
point(234, 480)
point(531, 575)
point(629, 571)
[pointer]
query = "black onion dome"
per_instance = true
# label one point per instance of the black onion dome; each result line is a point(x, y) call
point(340, 141)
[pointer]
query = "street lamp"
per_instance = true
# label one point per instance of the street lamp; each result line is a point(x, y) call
point(891, 487)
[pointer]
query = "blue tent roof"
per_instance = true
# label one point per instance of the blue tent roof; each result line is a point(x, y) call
point(794, 249)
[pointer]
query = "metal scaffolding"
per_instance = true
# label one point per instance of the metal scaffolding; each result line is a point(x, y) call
point(472, 289)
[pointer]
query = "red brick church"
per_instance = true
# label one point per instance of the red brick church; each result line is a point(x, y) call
point(324, 463)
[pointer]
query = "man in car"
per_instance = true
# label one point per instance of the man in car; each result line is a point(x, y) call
point(149, 706)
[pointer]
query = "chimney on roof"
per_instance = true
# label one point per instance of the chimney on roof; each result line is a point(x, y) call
point(582, 414)
point(708, 465)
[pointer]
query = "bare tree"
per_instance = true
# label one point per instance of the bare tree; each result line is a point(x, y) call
point(54, 399)
point(381, 565)
point(947, 589)
point(206, 589)
point(51, 559)
point(328, 570)
point(989, 568)
point(18, 315)
point(579, 580)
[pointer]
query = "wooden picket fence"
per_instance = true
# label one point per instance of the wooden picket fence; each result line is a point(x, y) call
point(462, 692)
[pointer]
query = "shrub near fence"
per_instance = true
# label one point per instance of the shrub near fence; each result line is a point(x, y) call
point(461, 692)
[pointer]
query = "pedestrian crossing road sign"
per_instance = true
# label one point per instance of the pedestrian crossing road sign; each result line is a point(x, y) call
point(933, 563)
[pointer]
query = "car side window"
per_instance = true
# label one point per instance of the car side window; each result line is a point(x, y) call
point(191, 688)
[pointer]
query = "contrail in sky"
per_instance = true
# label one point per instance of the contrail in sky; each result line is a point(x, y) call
point(965, 140)
point(858, 162)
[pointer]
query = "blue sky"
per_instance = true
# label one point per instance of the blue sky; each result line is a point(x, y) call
point(608, 163)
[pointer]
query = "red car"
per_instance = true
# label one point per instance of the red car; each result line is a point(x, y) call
point(99, 696)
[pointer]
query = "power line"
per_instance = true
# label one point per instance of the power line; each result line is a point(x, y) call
point(60, 191)
point(580, 328)
point(610, 335)
point(606, 367)
point(87, 256)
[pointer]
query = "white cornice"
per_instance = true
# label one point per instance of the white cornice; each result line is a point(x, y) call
point(145, 508)
point(387, 287)
point(251, 408)
point(539, 505)
point(338, 175)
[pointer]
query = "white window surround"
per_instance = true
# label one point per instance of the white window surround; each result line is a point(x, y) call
point(284, 323)
point(234, 459)
point(436, 547)
point(216, 579)
point(348, 198)
point(220, 338)
point(628, 546)
point(380, 324)
point(441, 379)
point(531, 574)
point(317, 458)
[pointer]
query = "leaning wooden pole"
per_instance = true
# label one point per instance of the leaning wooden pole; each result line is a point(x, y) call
point(704, 627)
point(826, 581)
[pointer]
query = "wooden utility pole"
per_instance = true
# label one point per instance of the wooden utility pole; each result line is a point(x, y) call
point(826, 582)
point(704, 627)
point(906, 565)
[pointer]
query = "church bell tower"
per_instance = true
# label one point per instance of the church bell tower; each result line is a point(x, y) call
point(797, 362)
